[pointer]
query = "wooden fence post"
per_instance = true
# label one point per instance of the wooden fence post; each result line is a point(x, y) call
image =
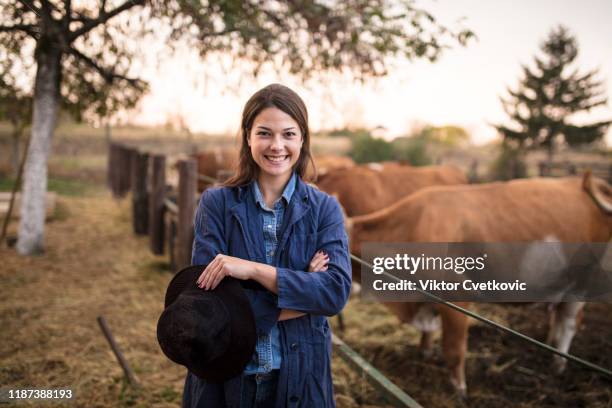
point(187, 190)
point(543, 166)
point(123, 171)
point(119, 170)
point(156, 204)
point(140, 196)
point(171, 228)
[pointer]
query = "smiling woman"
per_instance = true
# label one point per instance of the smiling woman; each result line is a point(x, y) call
point(285, 240)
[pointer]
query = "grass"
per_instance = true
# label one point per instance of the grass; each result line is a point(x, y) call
point(62, 186)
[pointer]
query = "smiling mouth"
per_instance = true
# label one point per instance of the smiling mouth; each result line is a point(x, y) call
point(276, 158)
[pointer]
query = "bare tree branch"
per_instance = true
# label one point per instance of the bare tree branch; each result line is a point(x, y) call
point(103, 17)
point(30, 29)
point(30, 5)
point(67, 15)
point(108, 74)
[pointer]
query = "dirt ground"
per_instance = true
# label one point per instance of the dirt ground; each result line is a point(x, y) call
point(501, 371)
point(95, 266)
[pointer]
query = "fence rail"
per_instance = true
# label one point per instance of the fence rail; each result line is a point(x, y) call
point(567, 168)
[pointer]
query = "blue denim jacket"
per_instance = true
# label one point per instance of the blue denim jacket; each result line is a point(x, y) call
point(227, 222)
point(267, 354)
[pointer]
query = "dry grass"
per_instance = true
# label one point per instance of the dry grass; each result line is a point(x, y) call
point(93, 266)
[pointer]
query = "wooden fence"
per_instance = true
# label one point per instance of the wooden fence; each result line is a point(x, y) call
point(164, 215)
point(567, 168)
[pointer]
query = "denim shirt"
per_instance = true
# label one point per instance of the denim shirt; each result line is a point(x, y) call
point(267, 355)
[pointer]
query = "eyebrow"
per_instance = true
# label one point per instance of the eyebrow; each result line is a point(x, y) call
point(267, 128)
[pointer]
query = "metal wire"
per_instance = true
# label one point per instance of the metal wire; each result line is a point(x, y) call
point(501, 327)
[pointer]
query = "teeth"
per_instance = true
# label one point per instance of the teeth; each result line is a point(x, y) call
point(276, 158)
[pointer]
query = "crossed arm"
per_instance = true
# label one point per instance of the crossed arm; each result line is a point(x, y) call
point(266, 275)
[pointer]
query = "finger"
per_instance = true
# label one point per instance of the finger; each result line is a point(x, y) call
point(213, 275)
point(314, 265)
point(206, 271)
point(220, 274)
point(317, 256)
point(319, 264)
point(209, 271)
point(213, 266)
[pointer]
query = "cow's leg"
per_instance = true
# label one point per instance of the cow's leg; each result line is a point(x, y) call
point(426, 345)
point(565, 318)
point(427, 321)
point(454, 345)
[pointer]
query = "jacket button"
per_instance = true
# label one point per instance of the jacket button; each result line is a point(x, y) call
point(294, 346)
point(294, 399)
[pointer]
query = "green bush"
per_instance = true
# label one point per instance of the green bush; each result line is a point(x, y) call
point(367, 149)
point(412, 149)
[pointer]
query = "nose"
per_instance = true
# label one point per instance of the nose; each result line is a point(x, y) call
point(277, 142)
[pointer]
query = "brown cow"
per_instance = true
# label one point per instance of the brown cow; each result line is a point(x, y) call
point(215, 160)
point(515, 211)
point(366, 188)
point(328, 162)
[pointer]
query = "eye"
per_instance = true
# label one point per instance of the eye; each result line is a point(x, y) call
point(262, 133)
point(290, 134)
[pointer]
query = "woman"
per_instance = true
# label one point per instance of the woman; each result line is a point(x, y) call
point(286, 240)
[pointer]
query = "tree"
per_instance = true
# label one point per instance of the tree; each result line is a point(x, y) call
point(16, 108)
point(87, 46)
point(547, 96)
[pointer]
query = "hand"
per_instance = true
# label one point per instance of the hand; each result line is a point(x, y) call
point(222, 266)
point(319, 262)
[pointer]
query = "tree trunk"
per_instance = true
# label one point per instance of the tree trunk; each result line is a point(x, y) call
point(16, 156)
point(46, 99)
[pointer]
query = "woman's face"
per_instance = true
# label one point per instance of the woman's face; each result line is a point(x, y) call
point(275, 140)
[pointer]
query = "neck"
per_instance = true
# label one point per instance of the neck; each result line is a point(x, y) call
point(272, 186)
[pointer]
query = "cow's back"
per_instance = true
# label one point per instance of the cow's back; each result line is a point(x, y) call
point(367, 188)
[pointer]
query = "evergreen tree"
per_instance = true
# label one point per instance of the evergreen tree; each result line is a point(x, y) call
point(548, 95)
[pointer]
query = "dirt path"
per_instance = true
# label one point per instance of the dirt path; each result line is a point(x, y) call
point(93, 266)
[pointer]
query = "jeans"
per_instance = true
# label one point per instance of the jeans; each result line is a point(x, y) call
point(259, 390)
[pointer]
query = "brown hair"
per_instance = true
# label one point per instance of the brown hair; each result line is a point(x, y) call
point(272, 96)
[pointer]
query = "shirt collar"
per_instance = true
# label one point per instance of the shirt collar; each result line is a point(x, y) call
point(287, 192)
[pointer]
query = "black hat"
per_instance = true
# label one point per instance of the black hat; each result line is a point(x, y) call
point(211, 332)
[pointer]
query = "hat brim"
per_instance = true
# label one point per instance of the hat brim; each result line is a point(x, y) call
point(242, 324)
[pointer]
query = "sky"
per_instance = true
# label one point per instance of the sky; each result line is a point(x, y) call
point(461, 88)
